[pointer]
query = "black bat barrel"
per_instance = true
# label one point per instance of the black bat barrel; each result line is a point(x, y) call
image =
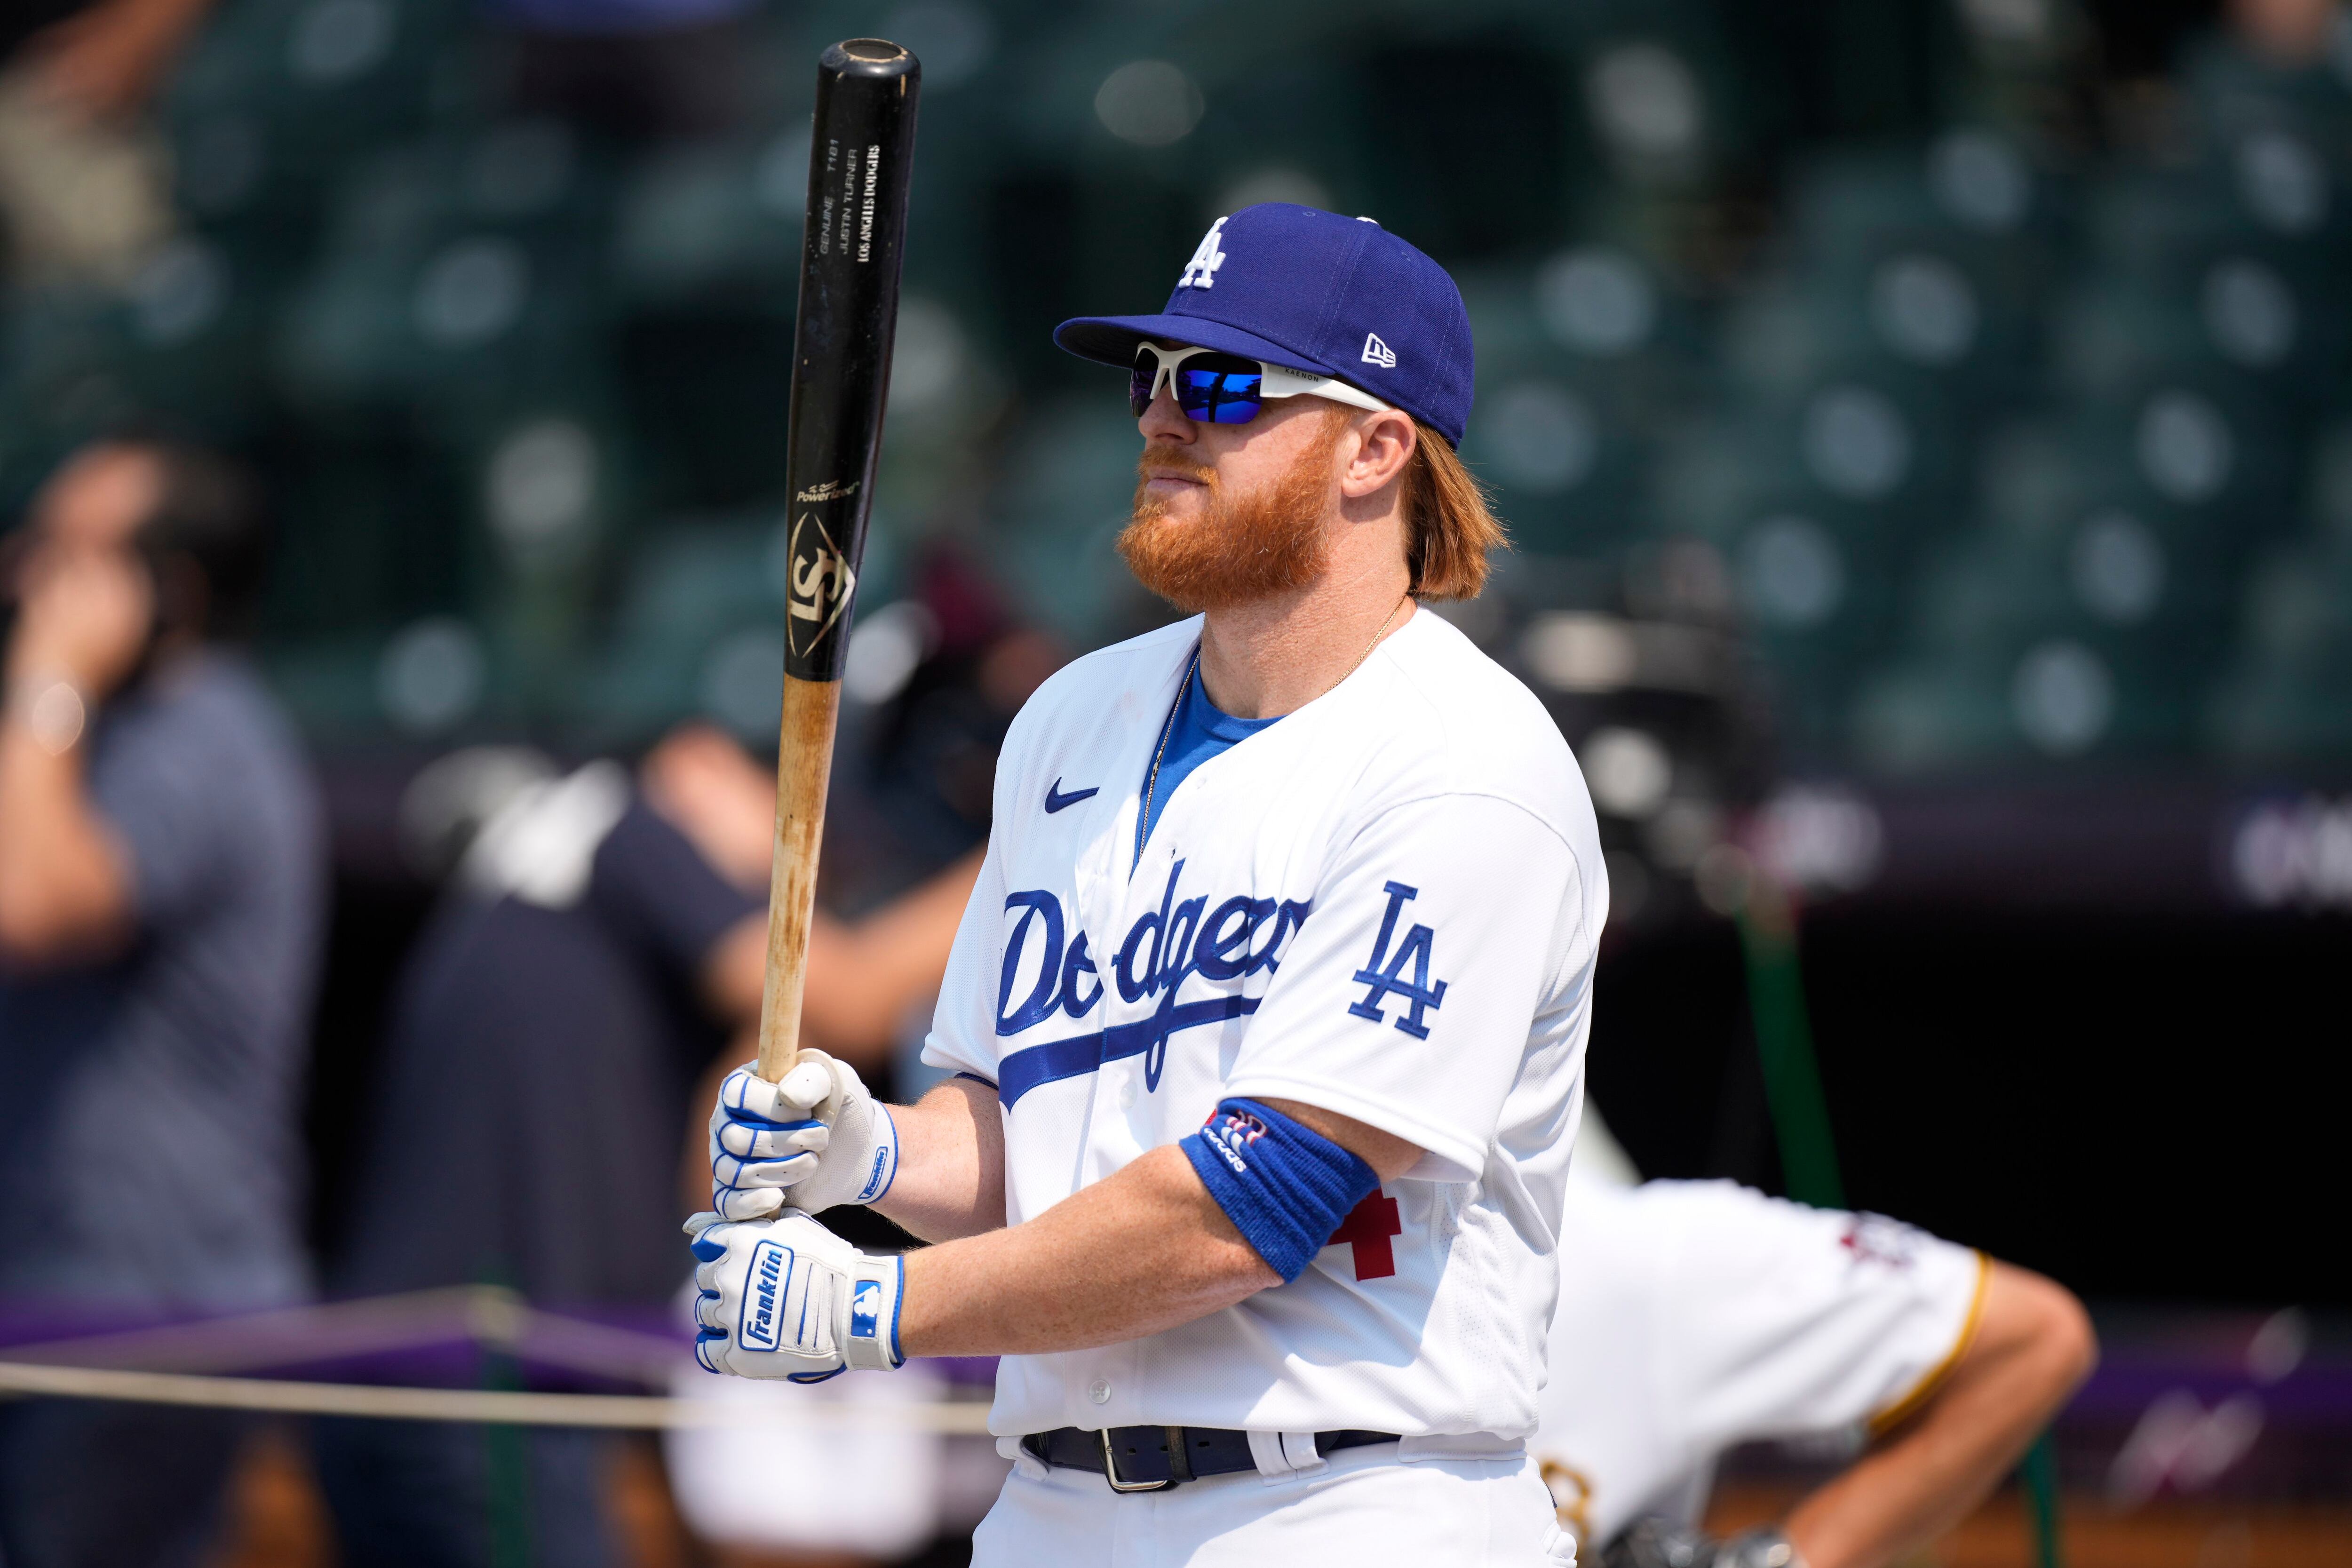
point(856, 235)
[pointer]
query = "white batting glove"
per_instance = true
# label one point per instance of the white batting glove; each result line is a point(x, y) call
point(816, 1141)
point(786, 1298)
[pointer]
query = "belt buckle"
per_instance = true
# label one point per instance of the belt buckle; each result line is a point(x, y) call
point(1111, 1472)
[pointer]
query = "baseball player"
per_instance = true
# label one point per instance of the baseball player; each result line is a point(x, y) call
point(1696, 1316)
point(1269, 1011)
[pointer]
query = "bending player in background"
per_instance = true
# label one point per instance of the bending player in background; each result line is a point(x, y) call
point(1697, 1316)
point(1254, 1204)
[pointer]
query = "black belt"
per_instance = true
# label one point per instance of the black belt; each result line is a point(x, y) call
point(1153, 1458)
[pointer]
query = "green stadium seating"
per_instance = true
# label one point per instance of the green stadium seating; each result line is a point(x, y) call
point(1947, 404)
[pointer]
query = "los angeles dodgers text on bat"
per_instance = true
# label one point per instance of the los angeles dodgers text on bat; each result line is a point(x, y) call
point(866, 213)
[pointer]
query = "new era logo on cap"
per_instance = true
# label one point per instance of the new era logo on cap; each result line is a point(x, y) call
point(1316, 292)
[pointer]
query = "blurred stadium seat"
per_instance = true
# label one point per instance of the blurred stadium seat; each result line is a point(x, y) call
point(1917, 389)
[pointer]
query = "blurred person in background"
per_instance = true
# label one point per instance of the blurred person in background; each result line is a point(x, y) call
point(632, 70)
point(2288, 34)
point(162, 885)
point(609, 934)
point(1698, 1316)
point(919, 752)
point(84, 182)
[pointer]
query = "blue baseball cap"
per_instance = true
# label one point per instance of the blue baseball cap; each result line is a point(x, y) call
point(1329, 295)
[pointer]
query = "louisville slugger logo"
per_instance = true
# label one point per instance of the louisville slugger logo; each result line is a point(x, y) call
point(819, 584)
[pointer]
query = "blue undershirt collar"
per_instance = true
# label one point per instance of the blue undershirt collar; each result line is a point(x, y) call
point(1200, 730)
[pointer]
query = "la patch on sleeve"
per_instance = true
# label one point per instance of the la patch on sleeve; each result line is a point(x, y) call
point(1385, 973)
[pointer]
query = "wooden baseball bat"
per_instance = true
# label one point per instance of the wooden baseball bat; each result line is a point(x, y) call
point(859, 166)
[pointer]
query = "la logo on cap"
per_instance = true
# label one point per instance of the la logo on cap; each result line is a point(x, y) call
point(1199, 272)
point(1377, 353)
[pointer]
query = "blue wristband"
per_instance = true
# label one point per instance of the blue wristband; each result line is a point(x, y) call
point(1285, 1186)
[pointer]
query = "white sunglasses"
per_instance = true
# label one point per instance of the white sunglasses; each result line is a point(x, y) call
point(1219, 388)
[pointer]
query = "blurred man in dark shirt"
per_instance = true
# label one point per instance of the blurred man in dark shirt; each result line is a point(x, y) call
point(161, 875)
point(608, 935)
point(587, 942)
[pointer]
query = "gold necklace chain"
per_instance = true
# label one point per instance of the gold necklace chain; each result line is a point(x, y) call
point(1168, 725)
point(1377, 636)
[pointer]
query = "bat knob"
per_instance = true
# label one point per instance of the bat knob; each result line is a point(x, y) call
point(870, 57)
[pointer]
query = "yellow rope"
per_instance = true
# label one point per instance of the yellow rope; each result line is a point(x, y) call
point(606, 1410)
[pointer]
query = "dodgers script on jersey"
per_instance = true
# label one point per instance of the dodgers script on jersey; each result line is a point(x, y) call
point(1386, 905)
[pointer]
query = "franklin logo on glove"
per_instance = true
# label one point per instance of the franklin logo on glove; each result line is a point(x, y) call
point(771, 1268)
point(786, 1298)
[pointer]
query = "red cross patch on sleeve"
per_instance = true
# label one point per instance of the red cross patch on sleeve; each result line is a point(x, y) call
point(1367, 1229)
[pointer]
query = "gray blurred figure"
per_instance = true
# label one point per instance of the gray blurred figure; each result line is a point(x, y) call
point(162, 888)
point(84, 180)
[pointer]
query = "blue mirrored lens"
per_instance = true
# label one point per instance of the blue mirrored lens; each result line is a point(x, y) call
point(1139, 387)
point(1219, 396)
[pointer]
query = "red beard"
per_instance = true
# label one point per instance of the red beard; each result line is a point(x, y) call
point(1272, 541)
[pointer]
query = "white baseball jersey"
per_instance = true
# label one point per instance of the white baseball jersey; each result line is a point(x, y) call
point(1695, 1316)
point(1385, 905)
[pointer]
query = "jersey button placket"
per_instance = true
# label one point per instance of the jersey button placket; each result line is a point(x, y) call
point(1115, 1386)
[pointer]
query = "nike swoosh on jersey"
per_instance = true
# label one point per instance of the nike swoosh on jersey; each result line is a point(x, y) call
point(1055, 800)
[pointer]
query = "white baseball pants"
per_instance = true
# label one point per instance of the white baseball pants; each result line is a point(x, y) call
point(1362, 1507)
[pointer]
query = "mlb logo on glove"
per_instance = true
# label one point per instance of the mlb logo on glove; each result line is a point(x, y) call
point(866, 1310)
